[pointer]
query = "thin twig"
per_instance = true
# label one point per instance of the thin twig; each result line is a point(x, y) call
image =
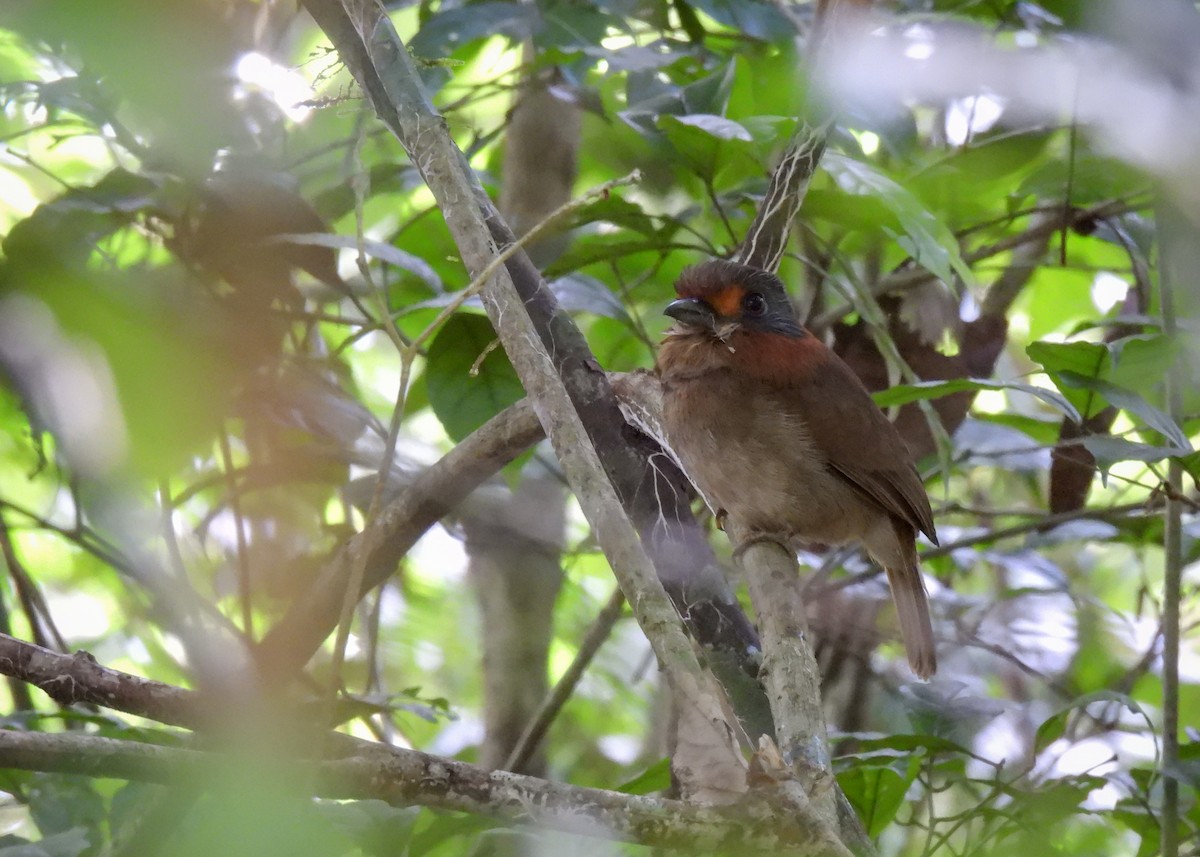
point(912, 276)
point(497, 261)
point(37, 612)
point(1174, 234)
point(239, 522)
point(599, 631)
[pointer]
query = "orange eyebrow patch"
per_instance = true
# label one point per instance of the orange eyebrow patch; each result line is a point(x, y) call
point(728, 301)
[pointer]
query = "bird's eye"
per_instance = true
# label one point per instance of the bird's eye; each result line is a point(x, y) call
point(754, 304)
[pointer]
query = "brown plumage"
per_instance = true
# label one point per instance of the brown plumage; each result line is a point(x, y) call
point(779, 434)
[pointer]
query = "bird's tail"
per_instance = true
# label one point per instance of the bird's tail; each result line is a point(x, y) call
point(912, 607)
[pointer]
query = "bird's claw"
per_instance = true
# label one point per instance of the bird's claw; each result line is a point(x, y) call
point(752, 539)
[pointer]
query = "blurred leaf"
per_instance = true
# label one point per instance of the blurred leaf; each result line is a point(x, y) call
point(171, 371)
point(993, 444)
point(1137, 360)
point(872, 742)
point(67, 804)
point(1127, 400)
point(949, 709)
point(930, 243)
point(602, 248)
point(455, 27)
point(655, 778)
point(753, 18)
point(379, 829)
point(1082, 371)
point(151, 53)
point(69, 843)
point(388, 177)
point(67, 229)
point(705, 140)
point(877, 791)
point(569, 28)
point(1053, 727)
point(581, 293)
point(1091, 179)
point(461, 401)
point(902, 394)
point(648, 97)
point(1109, 450)
point(249, 813)
point(388, 253)
point(435, 830)
point(1087, 359)
point(617, 211)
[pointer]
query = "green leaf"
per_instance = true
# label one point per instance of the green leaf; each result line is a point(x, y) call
point(1055, 725)
point(872, 742)
point(902, 394)
point(1088, 373)
point(649, 98)
point(715, 126)
point(69, 843)
point(1127, 400)
point(65, 231)
point(615, 210)
point(453, 28)
point(877, 791)
point(461, 401)
point(1108, 450)
point(705, 141)
point(376, 827)
point(927, 239)
point(655, 778)
point(1138, 360)
point(568, 28)
point(1083, 358)
point(443, 827)
point(581, 293)
point(750, 17)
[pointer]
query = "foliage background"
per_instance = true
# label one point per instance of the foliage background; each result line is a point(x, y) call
point(195, 412)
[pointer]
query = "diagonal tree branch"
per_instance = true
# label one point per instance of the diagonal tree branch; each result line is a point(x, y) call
point(570, 393)
point(431, 496)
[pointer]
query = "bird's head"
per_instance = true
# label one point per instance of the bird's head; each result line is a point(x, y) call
point(720, 298)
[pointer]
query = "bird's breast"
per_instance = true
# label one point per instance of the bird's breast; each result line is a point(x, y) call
point(750, 452)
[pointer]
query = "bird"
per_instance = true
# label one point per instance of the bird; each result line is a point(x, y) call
point(781, 438)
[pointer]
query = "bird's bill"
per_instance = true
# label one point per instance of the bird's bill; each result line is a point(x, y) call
point(693, 312)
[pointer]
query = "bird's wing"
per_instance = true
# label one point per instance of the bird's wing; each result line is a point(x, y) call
point(859, 442)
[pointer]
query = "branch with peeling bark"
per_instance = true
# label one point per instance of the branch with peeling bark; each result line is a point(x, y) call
point(405, 778)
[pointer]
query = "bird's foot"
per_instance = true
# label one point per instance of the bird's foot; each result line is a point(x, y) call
point(719, 518)
point(751, 539)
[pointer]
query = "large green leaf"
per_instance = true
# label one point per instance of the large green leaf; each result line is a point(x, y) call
point(749, 17)
point(706, 141)
point(926, 238)
point(1093, 375)
point(463, 401)
point(877, 791)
